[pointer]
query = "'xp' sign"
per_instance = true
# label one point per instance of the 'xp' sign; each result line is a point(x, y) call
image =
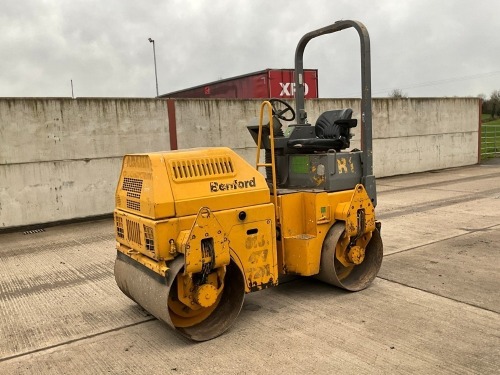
point(288, 88)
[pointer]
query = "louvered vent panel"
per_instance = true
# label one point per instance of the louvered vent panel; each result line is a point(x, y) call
point(198, 169)
point(134, 232)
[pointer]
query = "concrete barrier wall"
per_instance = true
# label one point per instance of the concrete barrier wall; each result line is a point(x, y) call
point(409, 135)
point(415, 135)
point(60, 158)
point(208, 123)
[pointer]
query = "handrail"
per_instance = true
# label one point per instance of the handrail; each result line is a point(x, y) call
point(259, 143)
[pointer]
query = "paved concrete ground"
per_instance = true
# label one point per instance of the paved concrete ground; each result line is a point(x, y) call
point(434, 309)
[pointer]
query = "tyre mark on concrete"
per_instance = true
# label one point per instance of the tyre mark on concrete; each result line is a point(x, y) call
point(51, 246)
point(23, 286)
point(68, 342)
point(436, 184)
point(431, 205)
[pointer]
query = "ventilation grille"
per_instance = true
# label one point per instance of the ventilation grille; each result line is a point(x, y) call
point(149, 237)
point(183, 170)
point(119, 227)
point(133, 195)
point(133, 187)
point(134, 232)
point(133, 205)
point(34, 231)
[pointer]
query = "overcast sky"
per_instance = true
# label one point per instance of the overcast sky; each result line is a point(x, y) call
point(424, 47)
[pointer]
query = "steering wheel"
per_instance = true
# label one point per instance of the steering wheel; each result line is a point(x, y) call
point(279, 111)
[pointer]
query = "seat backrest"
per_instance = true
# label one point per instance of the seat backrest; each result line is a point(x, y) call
point(325, 127)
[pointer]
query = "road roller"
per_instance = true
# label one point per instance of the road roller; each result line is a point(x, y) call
point(197, 229)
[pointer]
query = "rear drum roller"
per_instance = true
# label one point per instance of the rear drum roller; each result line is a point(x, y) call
point(159, 296)
point(353, 277)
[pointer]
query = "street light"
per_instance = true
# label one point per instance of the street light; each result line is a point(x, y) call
point(154, 55)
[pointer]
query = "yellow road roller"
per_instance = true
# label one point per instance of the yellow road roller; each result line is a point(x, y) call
point(197, 229)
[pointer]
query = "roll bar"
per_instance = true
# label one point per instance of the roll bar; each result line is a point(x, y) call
point(366, 96)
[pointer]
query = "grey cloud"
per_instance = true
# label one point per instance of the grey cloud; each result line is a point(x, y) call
point(103, 46)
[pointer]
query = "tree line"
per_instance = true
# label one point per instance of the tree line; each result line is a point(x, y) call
point(491, 105)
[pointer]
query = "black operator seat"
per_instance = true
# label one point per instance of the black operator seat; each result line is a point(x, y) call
point(332, 131)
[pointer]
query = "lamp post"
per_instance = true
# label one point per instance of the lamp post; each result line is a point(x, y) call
point(154, 55)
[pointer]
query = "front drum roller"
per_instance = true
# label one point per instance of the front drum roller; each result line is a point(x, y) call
point(158, 296)
point(356, 276)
